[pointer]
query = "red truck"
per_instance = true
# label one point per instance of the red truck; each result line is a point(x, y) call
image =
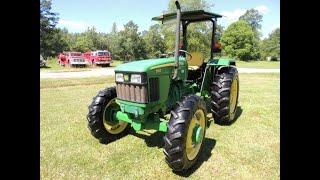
point(98, 57)
point(72, 59)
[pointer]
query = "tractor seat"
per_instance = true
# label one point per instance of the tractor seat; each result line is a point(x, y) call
point(196, 61)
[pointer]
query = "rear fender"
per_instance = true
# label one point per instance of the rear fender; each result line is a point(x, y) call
point(221, 62)
point(210, 69)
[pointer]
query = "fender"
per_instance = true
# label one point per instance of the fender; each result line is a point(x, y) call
point(210, 69)
point(221, 62)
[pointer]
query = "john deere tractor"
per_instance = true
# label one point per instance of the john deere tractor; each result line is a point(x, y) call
point(172, 95)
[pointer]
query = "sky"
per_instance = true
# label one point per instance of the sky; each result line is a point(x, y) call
point(77, 15)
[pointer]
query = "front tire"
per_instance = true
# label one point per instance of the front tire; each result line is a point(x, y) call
point(224, 96)
point(103, 124)
point(185, 134)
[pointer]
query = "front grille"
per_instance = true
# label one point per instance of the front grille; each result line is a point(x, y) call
point(133, 93)
point(78, 60)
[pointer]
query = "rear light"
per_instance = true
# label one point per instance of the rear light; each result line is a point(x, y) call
point(217, 45)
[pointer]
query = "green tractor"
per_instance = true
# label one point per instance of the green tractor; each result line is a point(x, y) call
point(172, 95)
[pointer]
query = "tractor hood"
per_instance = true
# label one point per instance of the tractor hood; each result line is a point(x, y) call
point(145, 65)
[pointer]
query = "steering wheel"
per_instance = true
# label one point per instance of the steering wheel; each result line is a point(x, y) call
point(190, 56)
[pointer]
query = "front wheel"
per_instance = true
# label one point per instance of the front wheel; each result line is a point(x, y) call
point(185, 134)
point(103, 123)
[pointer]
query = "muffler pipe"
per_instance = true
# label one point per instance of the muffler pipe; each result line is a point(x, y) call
point(176, 52)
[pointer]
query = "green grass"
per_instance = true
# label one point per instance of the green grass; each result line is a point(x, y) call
point(248, 149)
point(255, 64)
point(53, 66)
point(259, 64)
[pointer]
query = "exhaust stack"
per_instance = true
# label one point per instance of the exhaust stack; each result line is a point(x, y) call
point(176, 52)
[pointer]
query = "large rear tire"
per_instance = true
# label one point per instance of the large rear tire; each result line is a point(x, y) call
point(103, 124)
point(186, 131)
point(224, 96)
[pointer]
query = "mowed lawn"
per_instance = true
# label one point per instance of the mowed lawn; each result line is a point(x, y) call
point(248, 149)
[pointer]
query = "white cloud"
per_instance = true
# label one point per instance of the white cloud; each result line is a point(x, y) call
point(262, 9)
point(235, 14)
point(75, 25)
point(269, 30)
point(120, 27)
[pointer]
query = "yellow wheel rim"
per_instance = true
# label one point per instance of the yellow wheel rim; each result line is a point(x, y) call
point(197, 122)
point(112, 125)
point(233, 98)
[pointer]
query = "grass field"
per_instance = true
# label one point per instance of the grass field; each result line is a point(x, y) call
point(258, 64)
point(248, 149)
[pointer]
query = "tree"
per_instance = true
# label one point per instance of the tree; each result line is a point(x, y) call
point(48, 21)
point(254, 18)
point(114, 42)
point(238, 41)
point(271, 45)
point(56, 43)
point(188, 5)
point(155, 43)
point(219, 32)
point(132, 46)
point(114, 28)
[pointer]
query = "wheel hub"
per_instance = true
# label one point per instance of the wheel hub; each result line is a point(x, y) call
point(197, 134)
point(111, 123)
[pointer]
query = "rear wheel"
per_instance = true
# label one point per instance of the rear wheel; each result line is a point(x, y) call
point(186, 131)
point(103, 123)
point(224, 96)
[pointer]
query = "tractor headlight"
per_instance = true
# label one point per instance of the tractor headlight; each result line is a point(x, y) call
point(119, 77)
point(135, 78)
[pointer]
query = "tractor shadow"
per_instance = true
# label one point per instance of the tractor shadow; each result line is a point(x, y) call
point(156, 140)
point(205, 154)
point(237, 115)
point(152, 139)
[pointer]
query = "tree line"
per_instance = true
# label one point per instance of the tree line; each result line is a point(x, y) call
point(241, 40)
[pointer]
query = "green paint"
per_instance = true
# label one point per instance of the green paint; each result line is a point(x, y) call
point(146, 65)
point(136, 126)
point(153, 122)
point(221, 62)
point(132, 109)
point(198, 134)
point(160, 126)
point(163, 126)
point(131, 103)
point(124, 117)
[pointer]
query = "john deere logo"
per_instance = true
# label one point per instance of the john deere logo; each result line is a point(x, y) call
point(126, 77)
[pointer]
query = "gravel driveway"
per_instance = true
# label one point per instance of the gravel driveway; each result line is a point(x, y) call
point(110, 71)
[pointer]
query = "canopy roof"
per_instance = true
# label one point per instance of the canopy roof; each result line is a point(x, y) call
point(197, 15)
